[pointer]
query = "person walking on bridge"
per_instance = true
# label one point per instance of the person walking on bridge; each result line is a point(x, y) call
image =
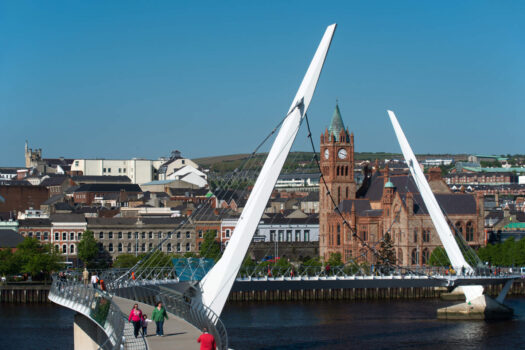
point(135, 316)
point(159, 315)
point(207, 340)
point(85, 276)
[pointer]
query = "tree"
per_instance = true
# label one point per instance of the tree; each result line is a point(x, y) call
point(8, 263)
point(439, 257)
point(88, 249)
point(210, 248)
point(45, 261)
point(387, 254)
point(125, 261)
point(335, 259)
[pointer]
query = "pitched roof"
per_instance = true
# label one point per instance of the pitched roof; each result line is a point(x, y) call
point(39, 222)
point(450, 203)
point(68, 218)
point(10, 239)
point(101, 179)
point(54, 180)
point(360, 205)
point(402, 183)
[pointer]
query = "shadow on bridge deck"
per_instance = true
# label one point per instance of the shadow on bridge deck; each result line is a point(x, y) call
point(178, 334)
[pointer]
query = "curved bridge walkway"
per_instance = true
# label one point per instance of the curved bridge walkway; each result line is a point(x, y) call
point(176, 330)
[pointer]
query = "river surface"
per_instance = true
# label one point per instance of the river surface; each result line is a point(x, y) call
point(316, 325)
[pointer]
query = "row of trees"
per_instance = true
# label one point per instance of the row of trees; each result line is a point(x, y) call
point(508, 253)
point(31, 258)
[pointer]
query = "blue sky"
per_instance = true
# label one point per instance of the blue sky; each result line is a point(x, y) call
point(126, 79)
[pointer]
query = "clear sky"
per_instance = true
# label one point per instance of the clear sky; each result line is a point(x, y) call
point(122, 79)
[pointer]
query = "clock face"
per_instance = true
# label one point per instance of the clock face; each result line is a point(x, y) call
point(342, 153)
point(326, 154)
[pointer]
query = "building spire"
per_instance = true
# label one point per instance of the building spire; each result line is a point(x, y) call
point(336, 125)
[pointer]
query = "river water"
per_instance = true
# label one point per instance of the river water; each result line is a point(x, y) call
point(309, 325)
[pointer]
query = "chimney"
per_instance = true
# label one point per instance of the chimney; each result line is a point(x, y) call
point(434, 174)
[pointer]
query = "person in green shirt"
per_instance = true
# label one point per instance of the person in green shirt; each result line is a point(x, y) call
point(158, 316)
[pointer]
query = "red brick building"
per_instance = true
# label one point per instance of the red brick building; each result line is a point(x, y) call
point(21, 196)
point(385, 203)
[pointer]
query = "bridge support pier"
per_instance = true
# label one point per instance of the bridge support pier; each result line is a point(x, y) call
point(481, 308)
point(455, 294)
point(86, 334)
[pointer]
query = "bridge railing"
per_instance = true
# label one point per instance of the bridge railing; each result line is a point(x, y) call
point(69, 291)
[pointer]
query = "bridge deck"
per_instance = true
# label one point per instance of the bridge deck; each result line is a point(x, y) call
point(178, 334)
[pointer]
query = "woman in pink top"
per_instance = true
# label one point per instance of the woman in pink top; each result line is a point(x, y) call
point(135, 316)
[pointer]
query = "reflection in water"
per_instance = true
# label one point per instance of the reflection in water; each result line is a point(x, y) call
point(365, 325)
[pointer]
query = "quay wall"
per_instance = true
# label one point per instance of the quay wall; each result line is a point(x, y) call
point(22, 294)
point(517, 289)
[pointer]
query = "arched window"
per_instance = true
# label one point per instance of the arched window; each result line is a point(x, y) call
point(110, 247)
point(415, 257)
point(459, 228)
point(426, 235)
point(470, 231)
point(79, 236)
point(346, 197)
point(338, 195)
point(64, 249)
point(187, 247)
point(57, 247)
point(338, 234)
point(346, 170)
point(425, 256)
point(337, 171)
point(72, 249)
point(119, 247)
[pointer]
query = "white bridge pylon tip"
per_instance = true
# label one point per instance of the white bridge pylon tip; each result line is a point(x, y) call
point(216, 285)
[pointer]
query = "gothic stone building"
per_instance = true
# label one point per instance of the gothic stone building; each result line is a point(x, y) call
point(385, 202)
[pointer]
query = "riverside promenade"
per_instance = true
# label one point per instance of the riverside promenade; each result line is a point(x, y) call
point(178, 334)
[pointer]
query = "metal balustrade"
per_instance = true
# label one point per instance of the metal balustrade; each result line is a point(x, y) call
point(98, 306)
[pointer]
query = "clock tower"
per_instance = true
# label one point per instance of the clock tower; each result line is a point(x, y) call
point(337, 166)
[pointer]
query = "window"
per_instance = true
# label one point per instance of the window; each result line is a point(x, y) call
point(56, 236)
point(143, 235)
point(136, 235)
point(178, 247)
point(120, 247)
point(307, 235)
point(338, 234)
point(159, 235)
point(103, 170)
point(281, 235)
point(37, 235)
point(200, 233)
point(187, 234)
point(64, 236)
point(79, 236)
point(459, 228)
point(57, 247)
point(119, 170)
point(110, 235)
point(120, 235)
point(178, 234)
point(168, 247)
point(426, 235)
point(150, 247)
point(288, 235)
point(129, 247)
point(30, 234)
point(101, 235)
point(150, 235)
point(64, 249)
point(46, 236)
point(129, 235)
point(415, 235)
point(425, 256)
point(187, 247)
point(109, 170)
point(227, 233)
point(272, 236)
point(470, 232)
point(110, 247)
point(415, 257)
point(143, 247)
point(169, 234)
point(297, 235)
point(200, 243)
point(71, 236)
point(124, 170)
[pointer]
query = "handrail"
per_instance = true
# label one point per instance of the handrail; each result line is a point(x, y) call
point(98, 306)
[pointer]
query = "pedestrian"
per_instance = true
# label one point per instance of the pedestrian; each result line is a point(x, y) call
point(94, 280)
point(207, 340)
point(159, 315)
point(145, 321)
point(85, 276)
point(135, 316)
point(102, 285)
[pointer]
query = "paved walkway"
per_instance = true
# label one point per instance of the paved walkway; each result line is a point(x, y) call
point(178, 334)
